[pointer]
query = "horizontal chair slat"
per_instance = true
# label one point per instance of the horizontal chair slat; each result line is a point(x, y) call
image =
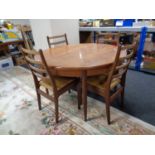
point(58, 42)
point(122, 66)
point(129, 56)
point(37, 70)
point(32, 61)
point(56, 36)
point(31, 52)
point(132, 46)
point(119, 75)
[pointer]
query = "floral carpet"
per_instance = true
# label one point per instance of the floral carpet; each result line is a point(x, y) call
point(19, 114)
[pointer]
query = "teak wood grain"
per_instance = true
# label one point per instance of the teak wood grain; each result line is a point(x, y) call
point(70, 60)
point(80, 60)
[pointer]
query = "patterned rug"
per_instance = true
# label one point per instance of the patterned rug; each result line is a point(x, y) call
point(19, 112)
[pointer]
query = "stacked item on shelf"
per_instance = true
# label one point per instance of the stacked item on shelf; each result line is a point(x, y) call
point(96, 22)
point(9, 35)
point(149, 55)
point(6, 62)
point(10, 39)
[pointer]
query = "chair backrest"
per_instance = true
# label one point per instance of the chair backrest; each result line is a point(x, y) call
point(120, 65)
point(27, 41)
point(108, 38)
point(57, 40)
point(40, 68)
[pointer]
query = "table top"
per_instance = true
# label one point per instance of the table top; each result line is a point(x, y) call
point(71, 60)
point(81, 56)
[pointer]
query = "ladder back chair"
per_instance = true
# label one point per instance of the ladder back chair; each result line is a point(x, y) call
point(113, 84)
point(44, 78)
point(57, 40)
point(27, 41)
point(108, 38)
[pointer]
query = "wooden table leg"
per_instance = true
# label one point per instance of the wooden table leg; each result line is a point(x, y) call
point(84, 93)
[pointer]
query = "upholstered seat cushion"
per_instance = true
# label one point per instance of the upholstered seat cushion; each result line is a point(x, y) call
point(99, 81)
point(60, 82)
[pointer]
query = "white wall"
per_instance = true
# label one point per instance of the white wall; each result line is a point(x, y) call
point(68, 26)
point(41, 28)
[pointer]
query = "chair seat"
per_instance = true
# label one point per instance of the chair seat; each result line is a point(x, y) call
point(60, 82)
point(99, 82)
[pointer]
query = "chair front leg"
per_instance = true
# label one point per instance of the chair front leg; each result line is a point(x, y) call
point(107, 104)
point(39, 100)
point(56, 110)
point(84, 93)
point(79, 89)
point(37, 87)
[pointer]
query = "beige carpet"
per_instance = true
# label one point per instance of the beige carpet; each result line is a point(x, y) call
point(19, 112)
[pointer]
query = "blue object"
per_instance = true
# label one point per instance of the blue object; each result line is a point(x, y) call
point(5, 65)
point(126, 22)
point(141, 47)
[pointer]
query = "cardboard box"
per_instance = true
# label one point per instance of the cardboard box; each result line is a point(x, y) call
point(149, 63)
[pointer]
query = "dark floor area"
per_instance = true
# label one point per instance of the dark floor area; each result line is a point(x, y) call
point(139, 96)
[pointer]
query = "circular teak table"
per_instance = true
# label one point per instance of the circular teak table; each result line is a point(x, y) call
point(81, 60)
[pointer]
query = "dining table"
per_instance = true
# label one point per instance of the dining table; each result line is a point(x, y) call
point(82, 61)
